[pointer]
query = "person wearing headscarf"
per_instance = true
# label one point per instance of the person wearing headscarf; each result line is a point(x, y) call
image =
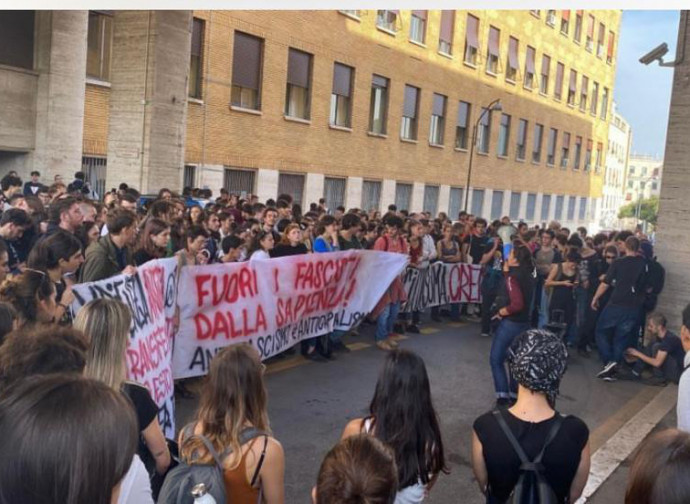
point(537, 360)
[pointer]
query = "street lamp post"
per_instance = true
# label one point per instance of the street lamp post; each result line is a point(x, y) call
point(493, 106)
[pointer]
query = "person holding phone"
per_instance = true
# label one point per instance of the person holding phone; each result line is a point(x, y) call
point(562, 280)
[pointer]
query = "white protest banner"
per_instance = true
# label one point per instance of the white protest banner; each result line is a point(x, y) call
point(442, 283)
point(274, 303)
point(150, 295)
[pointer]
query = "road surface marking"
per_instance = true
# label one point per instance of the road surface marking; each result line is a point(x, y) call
point(619, 447)
point(429, 330)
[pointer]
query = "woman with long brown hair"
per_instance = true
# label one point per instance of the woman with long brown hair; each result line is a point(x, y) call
point(153, 241)
point(233, 416)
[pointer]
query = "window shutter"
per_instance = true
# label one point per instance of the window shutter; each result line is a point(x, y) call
point(590, 26)
point(609, 53)
point(566, 15)
point(421, 14)
point(447, 19)
point(379, 81)
point(573, 81)
point(493, 41)
point(342, 77)
point(197, 36)
point(530, 59)
point(246, 61)
point(472, 31)
point(559, 76)
point(513, 53)
point(463, 109)
point(410, 106)
point(439, 105)
point(545, 65)
point(298, 68)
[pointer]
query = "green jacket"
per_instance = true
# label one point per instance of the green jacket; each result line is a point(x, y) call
point(101, 260)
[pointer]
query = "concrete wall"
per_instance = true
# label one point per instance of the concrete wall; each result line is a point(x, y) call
point(673, 235)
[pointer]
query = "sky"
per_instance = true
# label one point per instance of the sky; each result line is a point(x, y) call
point(643, 93)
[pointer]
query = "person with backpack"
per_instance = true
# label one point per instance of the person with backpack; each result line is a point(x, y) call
point(229, 446)
point(530, 453)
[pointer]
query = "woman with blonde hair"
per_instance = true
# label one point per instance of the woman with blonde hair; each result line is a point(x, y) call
point(233, 417)
point(106, 323)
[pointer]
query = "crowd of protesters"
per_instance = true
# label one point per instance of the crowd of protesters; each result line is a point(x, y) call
point(65, 401)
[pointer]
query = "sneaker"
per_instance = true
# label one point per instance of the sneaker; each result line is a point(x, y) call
point(384, 345)
point(655, 381)
point(610, 377)
point(485, 335)
point(625, 373)
point(413, 329)
point(608, 369)
point(339, 346)
point(395, 336)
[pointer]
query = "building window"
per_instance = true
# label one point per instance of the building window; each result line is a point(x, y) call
point(551, 17)
point(378, 107)
point(609, 50)
point(196, 58)
point(531, 207)
point(478, 202)
point(371, 195)
point(551, 147)
point(334, 191)
point(594, 104)
point(471, 40)
point(353, 13)
point(247, 62)
point(455, 202)
point(438, 120)
point(504, 135)
point(589, 40)
point(600, 157)
point(565, 150)
point(492, 50)
point(572, 88)
point(515, 200)
point(545, 71)
point(403, 195)
point(604, 103)
point(418, 26)
point(588, 155)
point(341, 98)
point(521, 140)
point(559, 208)
point(408, 127)
point(583, 208)
point(387, 20)
point(565, 22)
point(239, 182)
point(292, 184)
point(496, 205)
point(297, 100)
point(17, 38)
point(600, 40)
point(558, 88)
point(189, 176)
point(577, 36)
point(484, 132)
point(545, 207)
point(99, 46)
point(512, 64)
point(445, 40)
point(536, 148)
point(430, 200)
point(461, 130)
point(571, 208)
point(578, 152)
point(95, 169)
point(529, 68)
point(584, 89)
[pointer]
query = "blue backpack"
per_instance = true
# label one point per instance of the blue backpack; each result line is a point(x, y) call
point(177, 488)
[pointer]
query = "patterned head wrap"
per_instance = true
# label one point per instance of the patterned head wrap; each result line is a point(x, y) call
point(537, 360)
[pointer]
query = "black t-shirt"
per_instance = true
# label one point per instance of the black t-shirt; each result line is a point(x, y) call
point(626, 276)
point(145, 409)
point(672, 345)
point(561, 458)
point(477, 246)
point(283, 250)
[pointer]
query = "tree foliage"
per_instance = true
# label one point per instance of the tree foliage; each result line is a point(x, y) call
point(649, 208)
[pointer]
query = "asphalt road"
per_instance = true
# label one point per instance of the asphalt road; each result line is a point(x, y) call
point(310, 403)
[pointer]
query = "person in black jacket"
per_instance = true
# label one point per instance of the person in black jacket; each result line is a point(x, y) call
point(514, 316)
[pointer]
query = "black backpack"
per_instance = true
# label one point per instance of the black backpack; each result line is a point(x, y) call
point(531, 487)
point(654, 277)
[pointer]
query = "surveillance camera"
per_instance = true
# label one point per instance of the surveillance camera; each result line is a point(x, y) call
point(655, 54)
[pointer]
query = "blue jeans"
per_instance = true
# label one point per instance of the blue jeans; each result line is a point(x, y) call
point(506, 332)
point(543, 308)
point(386, 320)
point(613, 331)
